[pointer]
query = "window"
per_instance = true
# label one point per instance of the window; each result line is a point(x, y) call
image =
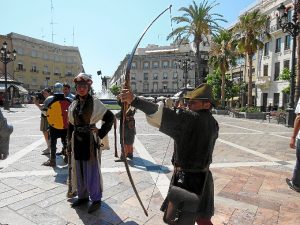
point(33, 53)
point(165, 76)
point(276, 100)
point(174, 64)
point(45, 56)
point(278, 45)
point(146, 76)
point(34, 68)
point(56, 58)
point(56, 71)
point(266, 49)
point(155, 76)
point(155, 65)
point(277, 70)
point(175, 75)
point(133, 65)
point(20, 66)
point(286, 64)
point(146, 65)
point(266, 67)
point(146, 87)
point(165, 87)
point(165, 64)
point(133, 87)
point(132, 77)
point(20, 51)
point(175, 86)
point(155, 86)
point(33, 81)
point(287, 42)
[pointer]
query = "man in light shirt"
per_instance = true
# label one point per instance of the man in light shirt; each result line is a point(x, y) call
point(294, 183)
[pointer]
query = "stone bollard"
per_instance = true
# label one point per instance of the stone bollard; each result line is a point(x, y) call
point(5, 132)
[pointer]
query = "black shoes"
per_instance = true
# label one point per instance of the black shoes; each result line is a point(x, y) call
point(94, 206)
point(79, 202)
point(50, 162)
point(291, 185)
point(130, 155)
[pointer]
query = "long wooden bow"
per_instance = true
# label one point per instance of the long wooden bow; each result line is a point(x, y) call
point(126, 106)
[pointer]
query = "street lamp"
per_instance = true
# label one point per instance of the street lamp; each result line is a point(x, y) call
point(6, 58)
point(292, 28)
point(186, 65)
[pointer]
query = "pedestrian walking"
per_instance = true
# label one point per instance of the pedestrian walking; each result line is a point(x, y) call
point(84, 112)
point(129, 132)
point(191, 194)
point(294, 182)
point(44, 126)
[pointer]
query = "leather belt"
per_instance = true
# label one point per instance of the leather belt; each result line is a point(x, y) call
point(178, 168)
point(83, 128)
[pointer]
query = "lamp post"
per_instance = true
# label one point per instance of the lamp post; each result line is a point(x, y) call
point(186, 65)
point(6, 58)
point(292, 28)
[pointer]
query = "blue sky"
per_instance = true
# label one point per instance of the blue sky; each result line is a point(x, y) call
point(104, 30)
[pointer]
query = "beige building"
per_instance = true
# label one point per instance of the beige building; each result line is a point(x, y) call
point(40, 64)
point(154, 72)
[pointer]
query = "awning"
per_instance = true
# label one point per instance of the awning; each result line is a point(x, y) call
point(21, 89)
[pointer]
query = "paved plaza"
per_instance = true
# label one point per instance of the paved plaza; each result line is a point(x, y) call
point(251, 161)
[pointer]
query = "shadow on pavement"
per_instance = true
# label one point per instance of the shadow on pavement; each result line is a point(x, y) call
point(104, 216)
point(146, 165)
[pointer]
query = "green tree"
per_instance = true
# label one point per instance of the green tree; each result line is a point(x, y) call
point(250, 30)
point(214, 80)
point(286, 74)
point(198, 22)
point(222, 56)
point(115, 90)
point(232, 88)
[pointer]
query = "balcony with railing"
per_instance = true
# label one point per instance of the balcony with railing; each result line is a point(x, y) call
point(263, 82)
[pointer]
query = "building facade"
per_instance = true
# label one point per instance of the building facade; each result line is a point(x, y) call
point(41, 64)
point(269, 62)
point(154, 71)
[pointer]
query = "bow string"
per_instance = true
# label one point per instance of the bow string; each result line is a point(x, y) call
point(125, 107)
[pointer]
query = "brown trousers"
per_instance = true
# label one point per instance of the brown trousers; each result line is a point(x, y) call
point(128, 149)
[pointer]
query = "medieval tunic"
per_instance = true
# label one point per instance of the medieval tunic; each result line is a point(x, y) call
point(86, 154)
point(194, 135)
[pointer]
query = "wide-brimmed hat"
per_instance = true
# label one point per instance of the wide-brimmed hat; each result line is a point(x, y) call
point(202, 92)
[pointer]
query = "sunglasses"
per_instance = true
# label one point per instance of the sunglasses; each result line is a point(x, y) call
point(85, 86)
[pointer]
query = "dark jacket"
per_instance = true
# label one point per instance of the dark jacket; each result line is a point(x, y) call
point(194, 135)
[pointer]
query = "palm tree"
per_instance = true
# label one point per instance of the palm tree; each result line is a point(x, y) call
point(250, 32)
point(198, 24)
point(222, 56)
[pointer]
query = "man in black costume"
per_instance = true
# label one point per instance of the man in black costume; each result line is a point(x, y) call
point(194, 131)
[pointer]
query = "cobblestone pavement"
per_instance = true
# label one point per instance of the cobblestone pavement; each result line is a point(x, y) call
point(250, 164)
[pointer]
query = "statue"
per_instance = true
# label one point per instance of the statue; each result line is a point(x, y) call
point(5, 132)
